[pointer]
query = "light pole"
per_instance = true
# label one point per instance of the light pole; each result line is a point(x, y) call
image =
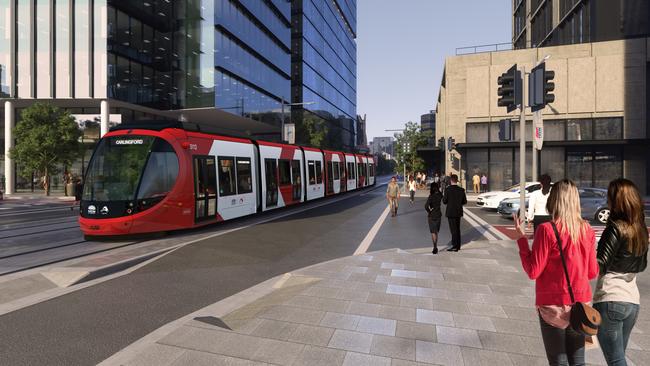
point(405, 146)
point(282, 118)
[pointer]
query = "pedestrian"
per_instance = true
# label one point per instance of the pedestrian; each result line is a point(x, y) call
point(537, 213)
point(476, 183)
point(392, 195)
point(567, 240)
point(436, 178)
point(484, 186)
point(78, 192)
point(434, 214)
point(412, 188)
point(622, 253)
point(418, 178)
point(455, 199)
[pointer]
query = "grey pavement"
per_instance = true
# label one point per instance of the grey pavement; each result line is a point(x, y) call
point(391, 307)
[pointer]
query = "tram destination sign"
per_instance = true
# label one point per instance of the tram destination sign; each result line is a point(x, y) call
point(121, 142)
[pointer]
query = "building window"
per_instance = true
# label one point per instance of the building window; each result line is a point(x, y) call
point(552, 162)
point(608, 128)
point(500, 168)
point(579, 129)
point(477, 132)
point(579, 166)
point(554, 130)
point(608, 165)
point(542, 23)
point(476, 162)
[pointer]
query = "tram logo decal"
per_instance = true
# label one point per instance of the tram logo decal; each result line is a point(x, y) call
point(104, 210)
point(92, 210)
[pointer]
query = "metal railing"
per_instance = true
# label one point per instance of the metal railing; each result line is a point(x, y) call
point(495, 47)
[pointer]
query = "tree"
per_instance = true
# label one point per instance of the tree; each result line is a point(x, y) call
point(406, 147)
point(46, 137)
point(385, 166)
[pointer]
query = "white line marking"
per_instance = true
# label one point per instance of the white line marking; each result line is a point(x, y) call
point(482, 230)
point(365, 243)
point(488, 227)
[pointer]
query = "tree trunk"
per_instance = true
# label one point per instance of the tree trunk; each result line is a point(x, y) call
point(46, 182)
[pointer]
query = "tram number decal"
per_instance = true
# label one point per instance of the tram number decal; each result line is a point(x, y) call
point(194, 147)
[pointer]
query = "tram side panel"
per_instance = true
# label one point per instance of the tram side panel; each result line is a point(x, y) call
point(281, 175)
point(351, 169)
point(333, 162)
point(371, 170)
point(314, 174)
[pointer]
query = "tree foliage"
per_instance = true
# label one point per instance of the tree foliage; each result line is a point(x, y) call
point(46, 137)
point(406, 146)
point(385, 166)
point(311, 130)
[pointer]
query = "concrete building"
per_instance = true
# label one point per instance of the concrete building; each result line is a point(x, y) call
point(227, 63)
point(596, 130)
point(431, 154)
point(382, 145)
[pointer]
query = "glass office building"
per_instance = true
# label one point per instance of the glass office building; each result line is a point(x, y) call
point(324, 73)
point(222, 62)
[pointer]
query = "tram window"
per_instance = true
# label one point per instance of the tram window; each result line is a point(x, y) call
point(337, 175)
point(360, 168)
point(159, 175)
point(372, 170)
point(319, 172)
point(285, 171)
point(227, 186)
point(271, 176)
point(312, 172)
point(244, 179)
point(295, 177)
point(351, 171)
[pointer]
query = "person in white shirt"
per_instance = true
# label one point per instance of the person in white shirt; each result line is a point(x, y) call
point(412, 188)
point(537, 213)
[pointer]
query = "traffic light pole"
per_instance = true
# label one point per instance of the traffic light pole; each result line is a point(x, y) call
point(522, 150)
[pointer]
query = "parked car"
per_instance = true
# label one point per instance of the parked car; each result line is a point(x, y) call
point(593, 204)
point(492, 199)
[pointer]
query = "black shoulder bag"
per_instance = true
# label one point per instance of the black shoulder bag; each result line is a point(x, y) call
point(584, 319)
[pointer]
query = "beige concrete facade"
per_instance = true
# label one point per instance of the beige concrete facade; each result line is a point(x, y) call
point(592, 80)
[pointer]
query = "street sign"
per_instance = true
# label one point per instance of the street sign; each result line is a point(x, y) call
point(290, 133)
point(538, 125)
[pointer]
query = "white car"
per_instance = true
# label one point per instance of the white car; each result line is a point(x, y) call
point(493, 198)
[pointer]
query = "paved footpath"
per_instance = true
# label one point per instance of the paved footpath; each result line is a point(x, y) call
point(390, 307)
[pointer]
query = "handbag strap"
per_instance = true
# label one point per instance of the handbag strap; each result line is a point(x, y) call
point(566, 272)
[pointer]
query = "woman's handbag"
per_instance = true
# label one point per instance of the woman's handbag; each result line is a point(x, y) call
point(584, 319)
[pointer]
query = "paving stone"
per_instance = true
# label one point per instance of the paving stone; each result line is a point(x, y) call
point(320, 291)
point(340, 321)
point(533, 346)
point(416, 302)
point(367, 286)
point(157, 354)
point(388, 265)
point(359, 308)
point(403, 273)
point(277, 352)
point(397, 313)
point(466, 296)
point(293, 314)
point(516, 312)
point(518, 359)
point(486, 310)
point(417, 331)
point(474, 322)
point(275, 329)
point(351, 341)
point(308, 334)
point(519, 327)
point(353, 295)
point(458, 336)
point(436, 353)
point(639, 357)
point(398, 362)
point(480, 357)
point(383, 299)
point(401, 290)
point(393, 347)
point(320, 356)
point(319, 303)
point(434, 317)
point(197, 358)
point(502, 342)
point(452, 306)
point(434, 293)
point(376, 325)
point(213, 341)
point(361, 359)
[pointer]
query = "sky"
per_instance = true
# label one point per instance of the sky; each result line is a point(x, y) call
point(401, 50)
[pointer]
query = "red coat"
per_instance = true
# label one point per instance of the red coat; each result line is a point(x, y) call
point(544, 265)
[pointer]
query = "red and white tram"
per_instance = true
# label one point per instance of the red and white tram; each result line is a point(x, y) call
point(164, 176)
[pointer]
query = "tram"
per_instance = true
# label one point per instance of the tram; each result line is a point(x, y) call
point(165, 175)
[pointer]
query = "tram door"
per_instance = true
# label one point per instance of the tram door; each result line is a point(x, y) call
point(205, 188)
point(271, 171)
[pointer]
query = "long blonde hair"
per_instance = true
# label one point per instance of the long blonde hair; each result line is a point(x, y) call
point(563, 205)
point(626, 209)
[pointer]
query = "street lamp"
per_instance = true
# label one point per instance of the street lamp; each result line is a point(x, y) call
point(290, 105)
point(403, 153)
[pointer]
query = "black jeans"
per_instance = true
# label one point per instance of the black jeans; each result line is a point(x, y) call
point(454, 227)
point(564, 347)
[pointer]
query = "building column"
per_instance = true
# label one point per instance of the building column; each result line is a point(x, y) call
point(104, 116)
point(10, 169)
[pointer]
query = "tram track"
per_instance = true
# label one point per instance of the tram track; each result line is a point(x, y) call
point(9, 227)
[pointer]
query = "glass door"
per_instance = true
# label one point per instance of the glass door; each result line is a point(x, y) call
point(295, 180)
point(271, 175)
point(205, 188)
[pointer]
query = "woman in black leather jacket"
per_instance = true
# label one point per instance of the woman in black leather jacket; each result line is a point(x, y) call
point(622, 253)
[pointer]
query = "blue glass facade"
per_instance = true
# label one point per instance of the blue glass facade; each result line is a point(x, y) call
point(253, 57)
point(325, 75)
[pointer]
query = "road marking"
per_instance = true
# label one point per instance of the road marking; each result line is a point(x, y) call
point(482, 230)
point(365, 243)
point(499, 235)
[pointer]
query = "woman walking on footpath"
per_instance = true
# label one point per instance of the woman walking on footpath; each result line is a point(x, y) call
point(537, 213)
point(434, 214)
point(543, 263)
point(412, 188)
point(622, 253)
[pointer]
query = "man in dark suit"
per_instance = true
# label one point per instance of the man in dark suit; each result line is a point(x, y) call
point(455, 199)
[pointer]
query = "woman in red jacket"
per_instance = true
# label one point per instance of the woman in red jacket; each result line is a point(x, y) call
point(543, 264)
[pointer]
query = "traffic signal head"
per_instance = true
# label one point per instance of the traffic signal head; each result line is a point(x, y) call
point(441, 142)
point(505, 130)
point(540, 87)
point(549, 86)
point(509, 89)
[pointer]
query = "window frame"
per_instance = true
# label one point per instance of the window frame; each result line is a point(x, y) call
point(220, 174)
point(250, 174)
